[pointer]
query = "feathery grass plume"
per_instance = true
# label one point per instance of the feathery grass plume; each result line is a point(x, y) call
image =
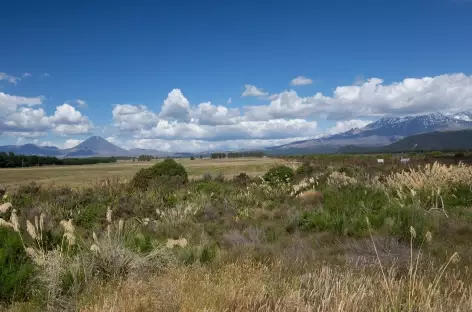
point(5, 224)
point(4, 207)
point(69, 230)
point(95, 248)
point(182, 242)
point(31, 229)
point(37, 256)
point(429, 237)
point(95, 238)
point(15, 221)
point(120, 226)
point(109, 215)
point(170, 243)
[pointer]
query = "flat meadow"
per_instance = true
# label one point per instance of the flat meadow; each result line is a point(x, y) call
point(125, 169)
point(235, 235)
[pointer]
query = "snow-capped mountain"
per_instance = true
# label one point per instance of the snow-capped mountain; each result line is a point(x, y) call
point(384, 131)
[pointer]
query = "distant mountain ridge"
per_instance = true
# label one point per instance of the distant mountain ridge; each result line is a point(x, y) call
point(94, 146)
point(382, 132)
point(459, 140)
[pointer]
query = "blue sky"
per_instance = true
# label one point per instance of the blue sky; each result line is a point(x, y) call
point(197, 75)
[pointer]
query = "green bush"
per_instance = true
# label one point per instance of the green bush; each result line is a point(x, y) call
point(305, 169)
point(279, 174)
point(160, 171)
point(16, 269)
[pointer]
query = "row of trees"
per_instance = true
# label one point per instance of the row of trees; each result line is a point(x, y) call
point(12, 160)
point(145, 158)
point(236, 155)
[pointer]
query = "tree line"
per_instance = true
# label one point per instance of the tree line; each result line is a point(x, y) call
point(236, 155)
point(12, 160)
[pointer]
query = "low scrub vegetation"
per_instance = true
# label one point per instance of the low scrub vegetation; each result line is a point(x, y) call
point(395, 240)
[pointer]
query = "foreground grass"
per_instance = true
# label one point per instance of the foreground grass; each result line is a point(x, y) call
point(246, 286)
point(382, 241)
point(75, 176)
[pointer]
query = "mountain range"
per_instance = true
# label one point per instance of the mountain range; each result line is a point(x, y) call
point(381, 133)
point(94, 146)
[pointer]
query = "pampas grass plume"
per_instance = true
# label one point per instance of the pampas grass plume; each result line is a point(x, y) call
point(4, 207)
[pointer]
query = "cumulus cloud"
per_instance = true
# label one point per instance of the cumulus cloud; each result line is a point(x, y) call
point(10, 103)
point(374, 99)
point(19, 116)
point(27, 119)
point(176, 106)
point(129, 117)
point(10, 78)
point(251, 90)
point(27, 75)
point(201, 145)
point(67, 120)
point(301, 81)
point(29, 135)
point(208, 114)
point(270, 129)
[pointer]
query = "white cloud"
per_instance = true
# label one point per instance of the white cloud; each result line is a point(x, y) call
point(29, 135)
point(374, 99)
point(70, 143)
point(10, 78)
point(176, 106)
point(201, 145)
point(208, 114)
point(251, 90)
point(301, 81)
point(67, 120)
point(27, 75)
point(81, 103)
point(270, 129)
point(28, 120)
point(129, 117)
point(10, 103)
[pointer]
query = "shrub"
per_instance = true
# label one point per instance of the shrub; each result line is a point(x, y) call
point(279, 174)
point(16, 268)
point(162, 170)
point(305, 169)
point(242, 179)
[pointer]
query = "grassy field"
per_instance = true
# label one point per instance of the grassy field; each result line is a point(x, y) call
point(386, 237)
point(86, 174)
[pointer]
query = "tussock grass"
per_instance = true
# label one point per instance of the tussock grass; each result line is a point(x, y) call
point(246, 244)
point(249, 286)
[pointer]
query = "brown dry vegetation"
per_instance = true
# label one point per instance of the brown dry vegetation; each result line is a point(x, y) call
point(386, 240)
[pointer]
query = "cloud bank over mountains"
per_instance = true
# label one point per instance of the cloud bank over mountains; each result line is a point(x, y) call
point(180, 125)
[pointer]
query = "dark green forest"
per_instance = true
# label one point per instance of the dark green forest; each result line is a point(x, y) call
point(236, 155)
point(12, 160)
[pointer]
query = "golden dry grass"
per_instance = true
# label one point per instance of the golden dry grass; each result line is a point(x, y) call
point(86, 174)
point(247, 286)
